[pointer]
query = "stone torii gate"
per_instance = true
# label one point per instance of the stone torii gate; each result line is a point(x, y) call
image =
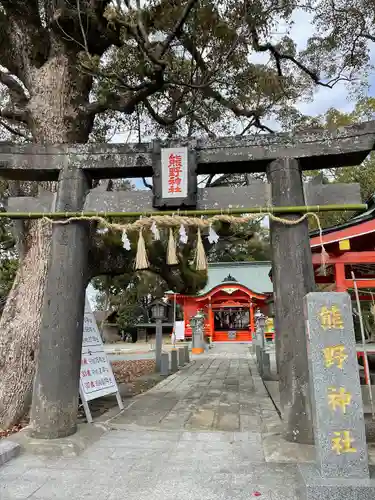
point(281, 156)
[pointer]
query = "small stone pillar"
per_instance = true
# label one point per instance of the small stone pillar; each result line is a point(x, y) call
point(181, 356)
point(174, 361)
point(197, 326)
point(341, 469)
point(187, 354)
point(158, 343)
point(266, 366)
point(164, 364)
point(259, 352)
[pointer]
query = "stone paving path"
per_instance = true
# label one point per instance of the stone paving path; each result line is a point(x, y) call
point(195, 436)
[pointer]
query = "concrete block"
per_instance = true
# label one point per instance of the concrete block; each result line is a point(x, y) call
point(8, 450)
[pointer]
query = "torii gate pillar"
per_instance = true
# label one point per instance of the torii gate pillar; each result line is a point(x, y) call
point(56, 385)
point(293, 278)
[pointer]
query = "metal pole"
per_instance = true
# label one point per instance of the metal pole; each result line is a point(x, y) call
point(365, 357)
point(158, 343)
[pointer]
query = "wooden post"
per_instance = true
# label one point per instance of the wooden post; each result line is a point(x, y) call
point(293, 278)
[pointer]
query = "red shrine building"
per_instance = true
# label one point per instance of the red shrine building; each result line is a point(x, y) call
point(351, 254)
point(235, 290)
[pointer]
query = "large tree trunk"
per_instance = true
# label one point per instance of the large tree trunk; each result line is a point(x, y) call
point(57, 92)
point(19, 326)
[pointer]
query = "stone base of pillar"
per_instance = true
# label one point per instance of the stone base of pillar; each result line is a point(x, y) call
point(314, 486)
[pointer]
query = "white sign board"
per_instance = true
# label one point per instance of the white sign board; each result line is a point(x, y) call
point(96, 378)
point(174, 172)
point(180, 330)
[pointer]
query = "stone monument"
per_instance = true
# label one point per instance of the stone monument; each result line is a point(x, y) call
point(341, 469)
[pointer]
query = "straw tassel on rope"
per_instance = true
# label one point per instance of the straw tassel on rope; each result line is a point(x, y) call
point(200, 258)
point(171, 254)
point(141, 260)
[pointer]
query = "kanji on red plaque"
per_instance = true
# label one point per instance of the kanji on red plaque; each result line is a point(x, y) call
point(174, 173)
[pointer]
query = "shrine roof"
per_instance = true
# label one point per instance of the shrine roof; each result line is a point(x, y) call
point(253, 275)
point(357, 220)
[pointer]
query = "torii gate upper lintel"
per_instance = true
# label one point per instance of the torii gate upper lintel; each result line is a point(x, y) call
point(314, 149)
point(281, 156)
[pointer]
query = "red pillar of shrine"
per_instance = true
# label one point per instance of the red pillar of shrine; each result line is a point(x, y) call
point(252, 324)
point(340, 277)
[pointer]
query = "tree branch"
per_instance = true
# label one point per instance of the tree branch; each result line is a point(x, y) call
point(25, 40)
point(14, 115)
point(127, 103)
point(21, 8)
point(14, 131)
point(146, 184)
point(17, 92)
point(165, 122)
point(177, 29)
point(86, 27)
point(278, 57)
point(367, 36)
point(208, 91)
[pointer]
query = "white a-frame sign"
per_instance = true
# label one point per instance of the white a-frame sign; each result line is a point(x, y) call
point(96, 378)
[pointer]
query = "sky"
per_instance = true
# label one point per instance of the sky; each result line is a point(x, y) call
point(324, 98)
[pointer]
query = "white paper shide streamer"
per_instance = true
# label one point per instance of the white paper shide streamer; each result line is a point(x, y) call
point(125, 241)
point(155, 231)
point(183, 234)
point(212, 237)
